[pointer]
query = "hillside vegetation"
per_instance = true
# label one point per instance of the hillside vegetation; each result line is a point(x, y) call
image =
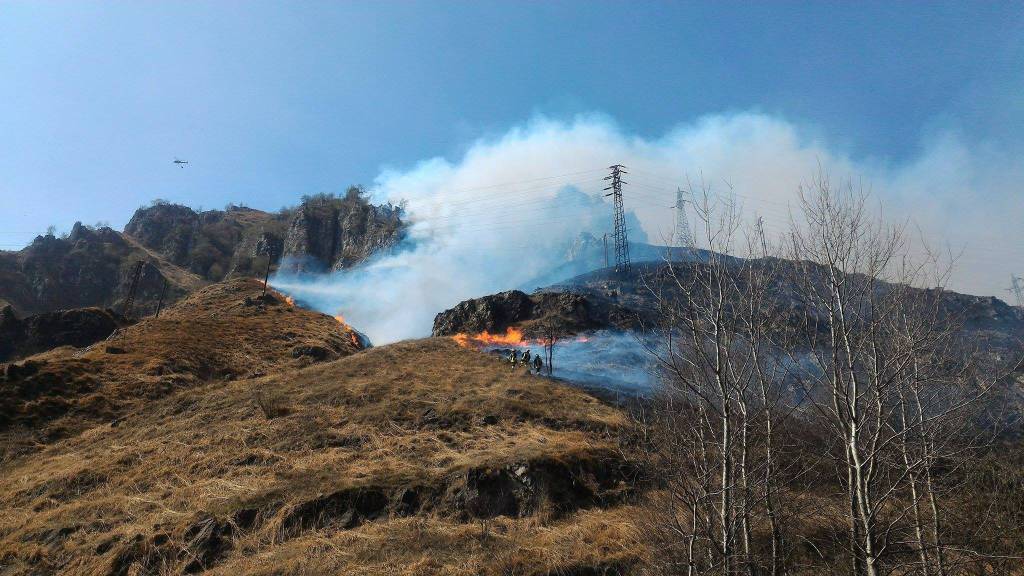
point(415, 458)
point(223, 332)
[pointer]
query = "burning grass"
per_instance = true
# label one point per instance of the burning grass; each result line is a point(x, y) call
point(513, 337)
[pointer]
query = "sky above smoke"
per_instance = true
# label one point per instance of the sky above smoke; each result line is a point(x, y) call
point(504, 212)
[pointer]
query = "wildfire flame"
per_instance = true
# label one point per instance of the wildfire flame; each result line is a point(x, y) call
point(512, 337)
point(289, 300)
point(352, 336)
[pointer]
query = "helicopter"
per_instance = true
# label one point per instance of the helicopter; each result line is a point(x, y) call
point(180, 163)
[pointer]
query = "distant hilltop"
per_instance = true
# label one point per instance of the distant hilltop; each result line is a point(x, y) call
point(94, 266)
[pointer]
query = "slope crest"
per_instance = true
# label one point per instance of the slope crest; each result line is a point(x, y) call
point(223, 332)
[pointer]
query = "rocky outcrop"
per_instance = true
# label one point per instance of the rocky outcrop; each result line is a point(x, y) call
point(213, 244)
point(328, 233)
point(79, 327)
point(188, 248)
point(88, 267)
point(324, 233)
point(567, 312)
point(493, 313)
point(168, 229)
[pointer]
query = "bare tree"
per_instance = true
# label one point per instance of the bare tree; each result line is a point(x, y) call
point(849, 338)
point(882, 368)
point(720, 400)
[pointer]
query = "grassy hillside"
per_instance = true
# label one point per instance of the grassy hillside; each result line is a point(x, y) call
point(220, 333)
point(415, 458)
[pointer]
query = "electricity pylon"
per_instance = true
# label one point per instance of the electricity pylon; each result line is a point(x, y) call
point(129, 301)
point(621, 242)
point(681, 236)
point(1017, 288)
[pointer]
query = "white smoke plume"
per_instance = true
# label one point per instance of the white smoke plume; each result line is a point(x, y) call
point(503, 213)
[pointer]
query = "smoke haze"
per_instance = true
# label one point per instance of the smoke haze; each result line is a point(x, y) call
point(505, 211)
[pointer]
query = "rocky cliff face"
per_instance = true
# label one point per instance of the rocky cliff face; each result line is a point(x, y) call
point(329, 233)
point(93, 267)
point(89, 267)
point(213, 244)
point(323, 233)
point(568, 313)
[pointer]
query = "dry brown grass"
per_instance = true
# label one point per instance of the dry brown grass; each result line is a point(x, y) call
point(214, 335)
point(389, 461)
point(176, 275)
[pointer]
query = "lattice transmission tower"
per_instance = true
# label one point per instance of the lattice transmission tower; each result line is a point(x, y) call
point(681, 236)
point(129, 301)
point(1017, 288)
point(621, 242)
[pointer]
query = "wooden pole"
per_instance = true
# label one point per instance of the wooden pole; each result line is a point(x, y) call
point(551, 353)
point(266, 275)
point(605, 239)
point(160, 302)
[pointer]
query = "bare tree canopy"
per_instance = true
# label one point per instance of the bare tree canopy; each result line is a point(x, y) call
point(819, 406)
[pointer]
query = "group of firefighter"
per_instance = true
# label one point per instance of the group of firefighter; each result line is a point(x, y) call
point(515, 360)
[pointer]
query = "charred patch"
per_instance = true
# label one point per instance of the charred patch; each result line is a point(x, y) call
point(559, 486)
point(315, 353)
point(202, 544)
point(343, 509)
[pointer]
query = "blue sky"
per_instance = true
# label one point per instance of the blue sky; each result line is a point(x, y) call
point(272, 100)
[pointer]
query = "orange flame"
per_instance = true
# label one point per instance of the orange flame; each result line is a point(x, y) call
point(289, 300)
point(512, 336)
point(353, 338)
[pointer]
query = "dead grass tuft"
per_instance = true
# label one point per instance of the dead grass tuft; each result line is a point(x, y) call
point(272, 403)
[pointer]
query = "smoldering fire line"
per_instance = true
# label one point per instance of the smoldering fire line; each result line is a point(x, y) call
point(617, 361)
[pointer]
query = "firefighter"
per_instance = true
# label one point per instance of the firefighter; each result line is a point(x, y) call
point(538, 364)
point(526, 358)
point(513, 358)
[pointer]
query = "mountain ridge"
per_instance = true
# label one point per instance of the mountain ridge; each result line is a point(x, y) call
point(93, 266)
